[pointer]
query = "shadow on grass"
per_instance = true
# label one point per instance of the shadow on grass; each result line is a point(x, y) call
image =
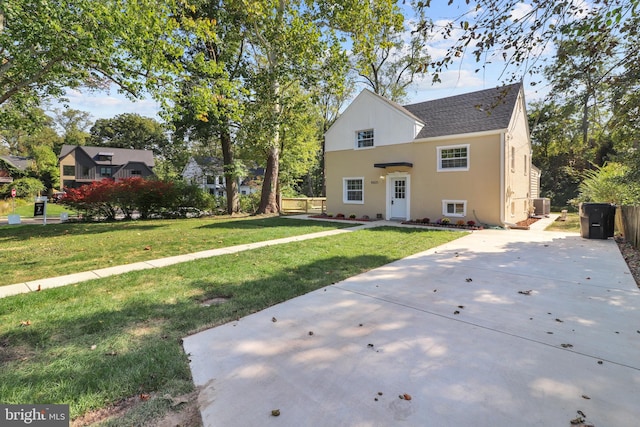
point(29, 231)
point(93, 344)
point(258, 223)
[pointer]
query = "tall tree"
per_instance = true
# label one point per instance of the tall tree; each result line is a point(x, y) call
point(74, 125)
point(208, 104)
point(387, 51)
point(286, 45)
point(130, 130)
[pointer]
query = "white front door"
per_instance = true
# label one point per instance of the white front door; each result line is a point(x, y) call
point(398, 189)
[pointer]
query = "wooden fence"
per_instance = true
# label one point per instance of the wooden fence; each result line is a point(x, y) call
point(303, 204)
point(628, 223)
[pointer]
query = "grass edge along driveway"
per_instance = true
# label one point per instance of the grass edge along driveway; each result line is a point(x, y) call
point(96, 343)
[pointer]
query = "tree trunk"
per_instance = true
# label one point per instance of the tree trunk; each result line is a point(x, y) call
point(233, 200)
point(269, 198)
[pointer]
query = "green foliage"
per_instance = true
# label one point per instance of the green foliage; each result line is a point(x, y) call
point(25, 188)
point(131, 131)
point(249, 203)
point(49, 46)
point(608, 184)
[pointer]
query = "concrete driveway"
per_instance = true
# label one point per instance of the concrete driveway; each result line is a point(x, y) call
point(498, 328)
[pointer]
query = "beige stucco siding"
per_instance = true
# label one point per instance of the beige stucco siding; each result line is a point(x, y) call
point(517, 166)
point(479, 187)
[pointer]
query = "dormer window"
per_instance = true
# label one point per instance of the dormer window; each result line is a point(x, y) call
point(105, 157)
point(364, 138)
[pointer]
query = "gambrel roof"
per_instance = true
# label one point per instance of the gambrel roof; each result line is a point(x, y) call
point(485, 110)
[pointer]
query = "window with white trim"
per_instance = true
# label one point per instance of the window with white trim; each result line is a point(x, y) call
point(453, 158)
point(353, 190)
point(364, 138)
point(454, 208)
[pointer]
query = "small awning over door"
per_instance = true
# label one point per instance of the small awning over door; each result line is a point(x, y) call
point(392, 164)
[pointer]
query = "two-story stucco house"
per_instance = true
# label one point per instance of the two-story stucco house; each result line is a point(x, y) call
point(465, 157)
point(82, 164)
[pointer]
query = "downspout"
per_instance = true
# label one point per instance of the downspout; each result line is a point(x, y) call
point(503, 201)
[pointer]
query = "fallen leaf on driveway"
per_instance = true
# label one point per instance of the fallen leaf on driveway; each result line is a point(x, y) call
point(273, 319)
point(469, 279)
point(560, 321)
point(456, 312)
point(275, 412)
point(566, 345)
point(525, 292)
point(584, 396)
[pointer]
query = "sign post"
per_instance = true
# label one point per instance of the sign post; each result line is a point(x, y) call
point(40, 208)
point(13, 198)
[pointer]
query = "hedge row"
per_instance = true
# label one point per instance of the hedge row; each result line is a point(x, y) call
point(149, 197)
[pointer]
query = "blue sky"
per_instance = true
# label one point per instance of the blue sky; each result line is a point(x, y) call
point(460, 77)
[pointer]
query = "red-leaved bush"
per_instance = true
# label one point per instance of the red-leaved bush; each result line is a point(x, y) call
point(108, 198)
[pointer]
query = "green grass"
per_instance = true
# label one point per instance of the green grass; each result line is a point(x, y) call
point(95, 343)
point(571, 225)
point(25, 209)
point(30, 252)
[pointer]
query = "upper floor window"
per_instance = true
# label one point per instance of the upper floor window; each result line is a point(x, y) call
point(105, 172)
point(364, 138)
point(105, 157)
point(68, 170)
point(453, 158)
point(136, 172)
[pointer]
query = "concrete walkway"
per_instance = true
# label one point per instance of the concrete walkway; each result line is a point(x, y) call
point(54, 282)
point(498, 328)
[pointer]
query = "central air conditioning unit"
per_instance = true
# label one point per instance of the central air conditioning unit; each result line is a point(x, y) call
point(542, 206)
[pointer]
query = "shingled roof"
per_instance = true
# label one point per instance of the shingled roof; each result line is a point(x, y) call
point(485, 110)
point(120, 156)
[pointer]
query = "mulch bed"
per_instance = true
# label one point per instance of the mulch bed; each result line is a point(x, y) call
point(632, 256)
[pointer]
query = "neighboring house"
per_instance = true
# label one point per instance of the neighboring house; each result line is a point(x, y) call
point(208, 174)
point(465, 157)
point(13, 167)
point(82, 164)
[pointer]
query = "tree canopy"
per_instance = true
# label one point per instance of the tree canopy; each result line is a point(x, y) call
point(48, 46)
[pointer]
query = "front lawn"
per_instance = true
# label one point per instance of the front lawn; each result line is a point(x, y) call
point(30, 252)
point(94, 344)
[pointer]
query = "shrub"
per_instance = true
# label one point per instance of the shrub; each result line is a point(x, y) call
point(365, 216)
point(460, 223)
point(107, 198)
point(445, 221)
point(426, 220)
point(471, 223)
point(352, 216)
point(340, 215)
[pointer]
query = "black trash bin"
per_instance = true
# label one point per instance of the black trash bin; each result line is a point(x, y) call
point(597, 220)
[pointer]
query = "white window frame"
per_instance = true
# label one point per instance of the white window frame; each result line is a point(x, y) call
point(345, 191)
point(362, 139)
point(453, 147)
point(446, 213)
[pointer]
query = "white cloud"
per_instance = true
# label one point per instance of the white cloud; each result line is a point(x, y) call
point(521, 10)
